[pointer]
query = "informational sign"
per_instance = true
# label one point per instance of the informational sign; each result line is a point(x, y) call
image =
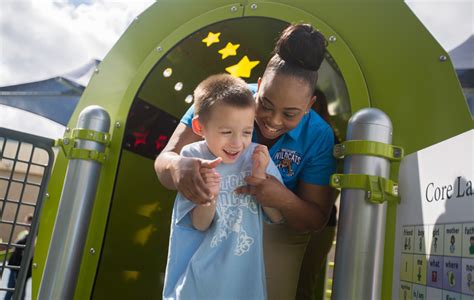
point(434, 246)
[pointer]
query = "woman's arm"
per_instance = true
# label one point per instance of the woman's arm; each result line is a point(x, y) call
point(308, 210)
point(261, 159)
point(182, 173)
point(273, 214)
point(320, 200)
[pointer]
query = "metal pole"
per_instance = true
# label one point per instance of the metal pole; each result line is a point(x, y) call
point(75, 208)
point(361, 229)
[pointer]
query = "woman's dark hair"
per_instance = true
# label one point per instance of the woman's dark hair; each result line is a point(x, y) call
point(321, 105)
point(299, 51)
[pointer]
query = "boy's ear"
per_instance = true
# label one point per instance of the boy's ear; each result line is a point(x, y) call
point(196, 125)
point(259, 81)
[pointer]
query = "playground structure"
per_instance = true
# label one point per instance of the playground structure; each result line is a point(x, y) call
point(379, 56)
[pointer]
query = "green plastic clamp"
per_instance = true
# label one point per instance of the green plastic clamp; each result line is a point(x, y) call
point(351, 147)
point(378, 188)
point(91, 135)
point(68, 145)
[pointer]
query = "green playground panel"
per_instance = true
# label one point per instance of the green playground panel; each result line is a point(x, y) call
point(380, 56)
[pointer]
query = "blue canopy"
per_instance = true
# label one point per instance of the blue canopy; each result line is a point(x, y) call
point(54, 98)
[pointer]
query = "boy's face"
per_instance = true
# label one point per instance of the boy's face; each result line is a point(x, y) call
point(228, 131)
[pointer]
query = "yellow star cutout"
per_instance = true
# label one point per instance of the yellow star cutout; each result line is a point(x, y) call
point(229, 50)
point(242, 68)
point(211, 38)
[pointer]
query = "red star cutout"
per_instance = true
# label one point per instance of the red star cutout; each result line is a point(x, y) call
point(140, 138)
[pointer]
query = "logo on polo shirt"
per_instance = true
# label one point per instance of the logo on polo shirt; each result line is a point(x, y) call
point(288, 161)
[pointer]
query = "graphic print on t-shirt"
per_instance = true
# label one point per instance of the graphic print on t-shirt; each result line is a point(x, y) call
point(287, 161)
point(230, 212)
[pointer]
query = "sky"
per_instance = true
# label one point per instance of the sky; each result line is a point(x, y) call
point(40, 39)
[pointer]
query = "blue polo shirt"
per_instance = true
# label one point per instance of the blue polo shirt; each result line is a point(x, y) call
point(303, 153)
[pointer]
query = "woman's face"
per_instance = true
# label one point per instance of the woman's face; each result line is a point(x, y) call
point(282, 101)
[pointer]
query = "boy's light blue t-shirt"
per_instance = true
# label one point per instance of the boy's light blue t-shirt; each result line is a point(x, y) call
point(226, 261)
point(304, 153)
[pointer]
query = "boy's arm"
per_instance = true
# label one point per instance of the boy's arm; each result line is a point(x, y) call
point(261, 159)
point(202, 215)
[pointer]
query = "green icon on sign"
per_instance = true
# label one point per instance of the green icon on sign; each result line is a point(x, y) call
point(451, 279)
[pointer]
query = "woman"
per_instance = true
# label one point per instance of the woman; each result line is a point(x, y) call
point(300, 143)
point(310, 284)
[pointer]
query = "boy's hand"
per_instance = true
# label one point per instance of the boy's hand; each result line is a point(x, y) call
point(212, 179)
point(260, 158)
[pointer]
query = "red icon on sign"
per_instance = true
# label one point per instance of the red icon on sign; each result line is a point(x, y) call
point(434, 276)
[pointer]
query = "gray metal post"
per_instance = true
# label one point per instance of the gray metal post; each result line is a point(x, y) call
point(75, 207)
point(361, 229)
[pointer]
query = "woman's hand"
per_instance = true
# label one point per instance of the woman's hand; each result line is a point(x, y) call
point(183, 173)
point(187, 178)
point(260, 159)
point(268, 191)
point(307, 210)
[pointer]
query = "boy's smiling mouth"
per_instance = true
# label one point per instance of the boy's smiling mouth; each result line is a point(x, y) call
point(231, 153)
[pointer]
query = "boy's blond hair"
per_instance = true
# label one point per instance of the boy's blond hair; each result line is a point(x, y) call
point(221, 89)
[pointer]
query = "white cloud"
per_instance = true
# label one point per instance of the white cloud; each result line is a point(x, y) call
point(45, 38)
point(40, 39)
point(451, 22)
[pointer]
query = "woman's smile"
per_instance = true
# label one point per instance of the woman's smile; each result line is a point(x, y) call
point(270, 131)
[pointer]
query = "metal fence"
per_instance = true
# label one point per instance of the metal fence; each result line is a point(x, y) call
point(25, 166)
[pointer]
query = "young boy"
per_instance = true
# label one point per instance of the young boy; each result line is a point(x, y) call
point(215, 251)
